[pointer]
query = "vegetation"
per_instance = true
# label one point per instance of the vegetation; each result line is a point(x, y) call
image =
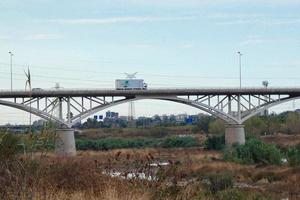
point(8, 147)
point(40, 176)
point(219, 182)
point(29, 171)
point(119, 143)
point(215, 142)
point(254, 151)
point(293, 155)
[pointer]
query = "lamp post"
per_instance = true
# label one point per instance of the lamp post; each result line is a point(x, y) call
point(239, 96)
point(11, 56)
point(240, 66)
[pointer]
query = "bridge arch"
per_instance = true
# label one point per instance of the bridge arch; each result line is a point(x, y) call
point(267, 106)
point(228, 118)
point(34, 111)
point(211, 110)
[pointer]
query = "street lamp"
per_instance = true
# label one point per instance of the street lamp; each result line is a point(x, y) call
point(240, 66)
point(11, 55)
point(265, 84)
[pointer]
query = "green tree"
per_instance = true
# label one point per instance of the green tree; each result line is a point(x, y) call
point(216, 127)
point(292, 123)
point(203, 123)
point(256, 126)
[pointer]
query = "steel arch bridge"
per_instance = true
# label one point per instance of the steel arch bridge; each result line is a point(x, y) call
point(68, 107)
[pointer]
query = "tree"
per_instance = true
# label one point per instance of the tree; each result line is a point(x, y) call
point(203, 123)
point(216, 127)
point(292, 123)
point(256, 126)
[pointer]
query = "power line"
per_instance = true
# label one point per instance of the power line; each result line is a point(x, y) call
point(153, 75)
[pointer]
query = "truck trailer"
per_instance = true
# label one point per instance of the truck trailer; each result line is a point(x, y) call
point(130, 84)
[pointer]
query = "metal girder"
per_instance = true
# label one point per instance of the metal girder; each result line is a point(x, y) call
point(34, 111)
point(226, 117)
point(232, 108)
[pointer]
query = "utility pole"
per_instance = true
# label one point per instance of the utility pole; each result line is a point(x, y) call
point(240, 67)
point(11, 56)
point(239, 96)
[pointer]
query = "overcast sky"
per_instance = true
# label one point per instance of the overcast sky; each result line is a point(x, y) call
point(170, 43)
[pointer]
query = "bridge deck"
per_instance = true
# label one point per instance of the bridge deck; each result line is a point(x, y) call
point(150, 92)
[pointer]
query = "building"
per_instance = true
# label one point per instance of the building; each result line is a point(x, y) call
point(111, 115)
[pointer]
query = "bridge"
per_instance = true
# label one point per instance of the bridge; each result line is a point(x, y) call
point(233, 105)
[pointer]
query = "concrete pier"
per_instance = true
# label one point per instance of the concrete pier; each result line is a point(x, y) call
point(234, 133)
point(65, 142)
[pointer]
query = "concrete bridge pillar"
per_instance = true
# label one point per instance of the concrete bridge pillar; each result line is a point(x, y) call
point(234, 133)
point(65, 142)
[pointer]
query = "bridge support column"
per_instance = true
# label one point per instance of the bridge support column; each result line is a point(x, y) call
point(65, 142)
point(234, 133)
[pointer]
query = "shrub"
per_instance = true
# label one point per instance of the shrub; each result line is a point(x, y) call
point(254, 151)
point(8, 146)
point(216, 142)
point(118, 143)
point(179, 142)
point(293, 155)
point(219, 182)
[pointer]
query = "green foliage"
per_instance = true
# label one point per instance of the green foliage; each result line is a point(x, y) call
point(254, 151)
point(292, 123)
point(219, 182)
point(117, 143)
point(179, 142)
point(216, 142)
point(293, 155)
point(203, 123)
point(256, 125)
point(8, 146)
point(216, 127)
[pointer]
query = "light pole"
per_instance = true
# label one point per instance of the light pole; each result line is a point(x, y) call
point(11, 56)
point(239, 96)
point(240, 66)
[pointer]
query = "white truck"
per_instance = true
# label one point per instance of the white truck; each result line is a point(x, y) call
point(130, 84)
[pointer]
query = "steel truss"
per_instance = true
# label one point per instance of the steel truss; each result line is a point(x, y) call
point(233, 109)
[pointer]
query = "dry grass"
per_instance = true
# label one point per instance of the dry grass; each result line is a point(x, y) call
point(282, 140)
point(81, 177)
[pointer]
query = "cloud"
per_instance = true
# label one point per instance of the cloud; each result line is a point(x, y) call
point(43, 37)
point(114, 20)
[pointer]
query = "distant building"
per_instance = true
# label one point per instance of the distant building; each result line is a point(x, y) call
point(181, 117)
point(192, 119)
point(111, 115)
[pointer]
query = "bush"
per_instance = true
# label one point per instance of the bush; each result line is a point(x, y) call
point(216, 142)
point(219, 182)
point(118, 143)
point(8, 146)
point(293, 155)
point(254, 151)
point(179, 142)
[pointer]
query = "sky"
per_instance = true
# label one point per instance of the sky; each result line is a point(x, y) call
point(170, 43)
